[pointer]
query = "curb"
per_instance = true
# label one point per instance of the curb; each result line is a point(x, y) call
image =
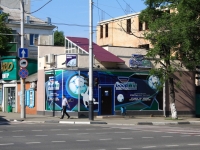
point(17, 120)
point(144, 123)
point(101, 122)
point(61, 122)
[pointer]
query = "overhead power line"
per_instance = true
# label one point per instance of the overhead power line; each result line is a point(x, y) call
point(39, 8)
point(121, 7)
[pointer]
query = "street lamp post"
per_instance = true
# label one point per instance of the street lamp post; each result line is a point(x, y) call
point(22, 97)
point(91, 115)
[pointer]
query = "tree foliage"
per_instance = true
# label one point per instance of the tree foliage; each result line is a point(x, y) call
point(4, 37)
point(174, 29)
point(59, 38)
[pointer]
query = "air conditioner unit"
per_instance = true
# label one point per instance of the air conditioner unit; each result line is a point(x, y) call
point(49, 58)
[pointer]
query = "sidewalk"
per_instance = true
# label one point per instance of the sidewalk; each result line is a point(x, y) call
point(115, 120)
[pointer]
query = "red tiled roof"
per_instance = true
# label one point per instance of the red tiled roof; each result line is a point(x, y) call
point(100, 53)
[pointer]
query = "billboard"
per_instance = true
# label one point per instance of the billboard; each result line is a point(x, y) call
point(133, 90)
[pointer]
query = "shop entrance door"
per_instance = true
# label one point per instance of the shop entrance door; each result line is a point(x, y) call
point(106, 100)
point(9, 99)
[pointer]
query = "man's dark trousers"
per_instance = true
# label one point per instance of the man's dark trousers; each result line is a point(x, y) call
point(64, 112)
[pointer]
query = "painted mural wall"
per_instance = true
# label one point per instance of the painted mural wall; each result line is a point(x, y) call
point(133, 90)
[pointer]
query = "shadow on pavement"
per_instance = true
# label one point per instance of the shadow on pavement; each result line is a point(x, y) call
point(3, 121)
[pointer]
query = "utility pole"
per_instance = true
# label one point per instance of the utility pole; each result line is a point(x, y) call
point(22, 97)
point(91, 115)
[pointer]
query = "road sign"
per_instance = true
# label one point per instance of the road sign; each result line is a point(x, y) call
point(23, 73)
point(23, 63)
point(23, 52)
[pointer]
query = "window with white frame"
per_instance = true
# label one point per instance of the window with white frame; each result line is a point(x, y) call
point(72, 48)
point(34, 39)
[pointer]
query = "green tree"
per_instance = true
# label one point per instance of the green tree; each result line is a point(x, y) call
point(174, 34)
point(5, 38)
point(59, 38)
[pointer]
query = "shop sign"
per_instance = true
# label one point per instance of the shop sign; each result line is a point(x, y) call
point(138, 61)
point(71, 60)
point(9, 69)
point(7, 66)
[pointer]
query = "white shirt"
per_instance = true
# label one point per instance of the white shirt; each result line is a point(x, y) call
point(64, 102)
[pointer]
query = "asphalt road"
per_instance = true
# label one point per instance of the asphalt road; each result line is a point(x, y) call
point(23, 136)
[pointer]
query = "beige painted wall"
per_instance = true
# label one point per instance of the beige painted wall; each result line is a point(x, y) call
point(43, 50)
point(116, 34)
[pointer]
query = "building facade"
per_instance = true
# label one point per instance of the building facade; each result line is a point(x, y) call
point(10, 83)
point(124, 35)
point(15, 4)
point(117, 82)
point(124, 31)
point(36, 31)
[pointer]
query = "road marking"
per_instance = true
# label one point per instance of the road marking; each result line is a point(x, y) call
point(119, 132)
point(1, 131)
point(72, 129)
point(33, 142)
point(167, 136)
point(6, 144)
point(82, 133)
point(124, 148)
point(62, 134)
point(156, 131)
point(171, 145)
point(149, 147)
point(197, 135)
point(193, 144)
point(147, 137)
point(189, 133)
point(82, 140)
point(104, 139)
point(55, 129)
point(36, 130)
point(0, 137)
point(126, 138)
point(172, 132)
point(41, 135)
point(17, 131)
point(19, 136)
point(58, 141)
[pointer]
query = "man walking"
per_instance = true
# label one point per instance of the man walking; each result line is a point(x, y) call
point(64, 107)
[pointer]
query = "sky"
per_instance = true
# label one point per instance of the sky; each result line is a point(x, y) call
point(72, 16)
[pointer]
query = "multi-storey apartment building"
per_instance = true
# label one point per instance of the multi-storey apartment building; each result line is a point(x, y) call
point(36, 31)
point(15, 4)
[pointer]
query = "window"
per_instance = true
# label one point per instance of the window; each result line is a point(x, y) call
point(144, 46)
point(146, 26)
point(67, 44)
point(34, 39)
point(15, 37)
point(140, 26)
point(128, 26)
point(101, 31)
point(106, 30)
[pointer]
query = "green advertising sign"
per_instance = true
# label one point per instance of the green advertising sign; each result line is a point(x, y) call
point(9, 68)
